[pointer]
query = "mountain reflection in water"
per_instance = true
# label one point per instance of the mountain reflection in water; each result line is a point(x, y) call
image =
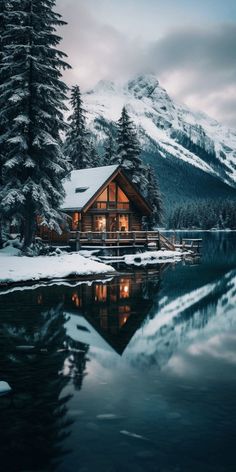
point(144, 364)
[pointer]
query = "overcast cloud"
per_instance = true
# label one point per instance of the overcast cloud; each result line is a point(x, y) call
point(194, 60)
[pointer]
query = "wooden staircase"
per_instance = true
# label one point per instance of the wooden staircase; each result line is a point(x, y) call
point(166, 243)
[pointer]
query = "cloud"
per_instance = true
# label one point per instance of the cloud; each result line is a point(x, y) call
point(197, 65)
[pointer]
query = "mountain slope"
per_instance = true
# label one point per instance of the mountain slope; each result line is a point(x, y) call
point(194, 156)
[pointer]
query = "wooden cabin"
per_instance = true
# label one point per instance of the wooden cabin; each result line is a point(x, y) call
point(101, 199)
point(104, 208)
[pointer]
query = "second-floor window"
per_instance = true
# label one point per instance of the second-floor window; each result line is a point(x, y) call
point(112, 197)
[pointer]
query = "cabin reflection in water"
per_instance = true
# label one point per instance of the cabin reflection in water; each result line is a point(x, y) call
point(115, 309)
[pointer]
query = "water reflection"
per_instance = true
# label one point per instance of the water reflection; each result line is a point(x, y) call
point(32, 435)
point(45, 336)
point(144, 364)
point(114, 310)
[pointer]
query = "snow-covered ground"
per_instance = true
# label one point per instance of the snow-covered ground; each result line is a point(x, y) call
point(4, 387)
point(21, 269)
point(15, 268)
point(155, 257)
point(149, 257)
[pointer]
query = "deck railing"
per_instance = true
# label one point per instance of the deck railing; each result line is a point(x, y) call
point(119, 237)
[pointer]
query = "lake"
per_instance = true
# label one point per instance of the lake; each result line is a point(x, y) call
point(132, 374)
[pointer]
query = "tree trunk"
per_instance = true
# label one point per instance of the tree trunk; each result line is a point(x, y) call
point(29, 225)
point(1, 239)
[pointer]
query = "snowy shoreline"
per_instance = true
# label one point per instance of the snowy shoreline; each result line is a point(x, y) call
point(15, 269)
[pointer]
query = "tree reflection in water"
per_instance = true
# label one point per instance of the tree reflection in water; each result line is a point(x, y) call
point(34, 419)
point(39, 360)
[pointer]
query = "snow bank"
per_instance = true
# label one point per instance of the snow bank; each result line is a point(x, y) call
point(21, 269)
point(4, 388)
point(154, 257)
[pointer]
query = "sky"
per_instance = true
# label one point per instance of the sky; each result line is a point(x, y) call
point(189, 45)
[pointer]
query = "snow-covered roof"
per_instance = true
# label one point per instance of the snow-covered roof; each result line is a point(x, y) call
point(82, 185)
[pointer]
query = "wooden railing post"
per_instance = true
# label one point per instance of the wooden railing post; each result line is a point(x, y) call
point(103, 238)
point(77, 244)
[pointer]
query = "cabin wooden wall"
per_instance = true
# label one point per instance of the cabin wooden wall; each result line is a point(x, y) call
point(86, 222)
point(135, 222)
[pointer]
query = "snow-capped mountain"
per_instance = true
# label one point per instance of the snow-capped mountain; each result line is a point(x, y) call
point(180, 143)
point(187, 322)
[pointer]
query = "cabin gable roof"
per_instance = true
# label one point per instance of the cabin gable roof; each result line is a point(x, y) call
point(84, 186)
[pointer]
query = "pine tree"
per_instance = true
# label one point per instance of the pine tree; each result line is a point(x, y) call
point(154, 197)
point(128, 151)
point(110, 150)
point(3, 8)
point(76, 143)
point(32, 98)
point(93, 159)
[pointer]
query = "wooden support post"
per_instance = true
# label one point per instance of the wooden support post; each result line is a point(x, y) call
point(118, 238)
point(104, 239)
point(77, 243)
point(159, 241)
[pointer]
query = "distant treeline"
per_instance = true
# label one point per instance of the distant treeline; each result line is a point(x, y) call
point(205, 214)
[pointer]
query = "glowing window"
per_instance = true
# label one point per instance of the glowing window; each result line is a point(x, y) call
point(75, 221)
point(103, 196)
point(112, 192)
point(124, 288)
point(121, 196)
point(123, 223)
point(100, 223)
point(124, 313)
point(100, 293)
point(75, 299)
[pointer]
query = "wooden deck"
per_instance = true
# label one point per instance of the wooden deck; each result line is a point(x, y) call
point(83, 239)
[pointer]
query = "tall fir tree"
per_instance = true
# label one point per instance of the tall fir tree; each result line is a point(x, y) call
point(94, 159)
point(32, 98)
point(109, 150)
point(128, 150)
point(77, 141)
point(3, 9)
point(153, 195)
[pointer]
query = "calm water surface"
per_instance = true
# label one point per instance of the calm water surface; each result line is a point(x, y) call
point(135, 374)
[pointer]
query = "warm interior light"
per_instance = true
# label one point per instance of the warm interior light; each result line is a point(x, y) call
point(76, 300)
point(100, 293)
point(124, 288)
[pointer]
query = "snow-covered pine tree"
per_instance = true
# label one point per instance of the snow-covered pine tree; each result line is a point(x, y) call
point(3, 7)
point(77, 140)
point(94, 159)
point(153, 195)
point(31, 110)
point(128, 151)
point(110, 153)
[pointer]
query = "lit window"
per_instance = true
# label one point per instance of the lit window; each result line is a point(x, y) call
point(76, 300)
point(100, 223)
point(124, 313)
point(124, 288)
point(112, 192)
point(123, 223)
point(75, 221)
point(100, 293)
point(121, 196)
point(103, 196)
